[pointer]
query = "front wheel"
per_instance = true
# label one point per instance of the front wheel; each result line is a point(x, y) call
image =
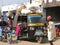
point(39, 39)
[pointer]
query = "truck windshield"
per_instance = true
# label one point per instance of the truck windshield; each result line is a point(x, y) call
point(34, 19)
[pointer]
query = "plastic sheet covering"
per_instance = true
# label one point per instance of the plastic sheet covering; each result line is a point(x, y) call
point(19, 9)
point(38, 33)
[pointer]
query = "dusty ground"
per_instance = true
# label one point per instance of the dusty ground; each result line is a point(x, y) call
point(25, 42)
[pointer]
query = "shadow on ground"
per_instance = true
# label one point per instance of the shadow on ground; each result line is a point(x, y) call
point(44, 40)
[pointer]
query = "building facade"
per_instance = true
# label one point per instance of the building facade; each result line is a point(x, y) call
point(52, 7)
point(51, 3)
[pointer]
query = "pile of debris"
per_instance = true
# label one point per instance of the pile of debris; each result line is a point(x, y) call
point(26, 8)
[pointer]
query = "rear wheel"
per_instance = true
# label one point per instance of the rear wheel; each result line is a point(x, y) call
point(0, 38)
point(39, 39)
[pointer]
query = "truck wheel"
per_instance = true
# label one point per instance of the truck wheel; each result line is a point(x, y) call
point(39, 40)
point(0, 38)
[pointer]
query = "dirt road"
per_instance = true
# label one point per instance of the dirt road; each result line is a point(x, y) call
point(24, 42)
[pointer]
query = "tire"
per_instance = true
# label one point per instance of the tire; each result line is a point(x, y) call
point(39, 40)
point(0, 38)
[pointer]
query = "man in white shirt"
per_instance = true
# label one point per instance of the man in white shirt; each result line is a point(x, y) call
point(51, 30)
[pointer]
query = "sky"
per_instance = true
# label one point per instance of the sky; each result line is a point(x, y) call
point(10, 2)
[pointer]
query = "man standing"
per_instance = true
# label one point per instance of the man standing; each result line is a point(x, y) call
point(51, 30)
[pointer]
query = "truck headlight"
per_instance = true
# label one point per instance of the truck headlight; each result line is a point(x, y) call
point(31, 28)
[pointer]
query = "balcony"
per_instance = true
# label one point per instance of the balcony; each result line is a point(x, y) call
point(51, 3)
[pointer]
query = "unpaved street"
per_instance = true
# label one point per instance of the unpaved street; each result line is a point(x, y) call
point(24, 42)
